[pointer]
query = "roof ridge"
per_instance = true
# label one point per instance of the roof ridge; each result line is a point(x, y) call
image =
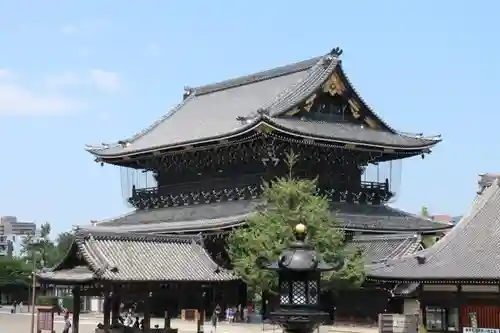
point(131, 236)
point(320, 72)
point(257, 76)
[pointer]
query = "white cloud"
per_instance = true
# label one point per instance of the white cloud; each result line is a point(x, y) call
point(16, 99)
point(106, 81)
point(5, 74)
point(84, 28)
point(52, 94)
point(62, 80)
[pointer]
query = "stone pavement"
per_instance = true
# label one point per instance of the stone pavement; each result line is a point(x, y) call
point(20, 323)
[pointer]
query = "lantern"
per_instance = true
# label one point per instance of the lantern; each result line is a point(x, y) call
point(299, 273)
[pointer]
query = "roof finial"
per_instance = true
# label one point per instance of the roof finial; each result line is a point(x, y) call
point(336, 51)
point(187, 92)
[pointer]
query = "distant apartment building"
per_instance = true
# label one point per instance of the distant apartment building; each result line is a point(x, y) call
point(12, 232)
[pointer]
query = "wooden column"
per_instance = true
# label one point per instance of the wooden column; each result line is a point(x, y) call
point(147, 313)
point(167, 323)
point(115, 305)
point(76, 309)
point(107, 312)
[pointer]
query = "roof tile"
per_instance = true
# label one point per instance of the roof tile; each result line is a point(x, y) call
point(221, 215)
point(142, 257)
point(465, 252)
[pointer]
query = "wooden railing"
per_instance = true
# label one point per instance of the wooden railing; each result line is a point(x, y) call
point(247, 187)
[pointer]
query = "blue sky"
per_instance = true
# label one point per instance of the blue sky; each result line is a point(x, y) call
point(73, 73)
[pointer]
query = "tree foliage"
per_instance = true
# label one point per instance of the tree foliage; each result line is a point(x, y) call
point(424, 211)
point(14, 272)
point(63, 243)
point(17, 270)
point(269, 231)
point(47, 252)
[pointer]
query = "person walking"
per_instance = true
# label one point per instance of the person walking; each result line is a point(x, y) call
point(214, 319)
point(67, 323)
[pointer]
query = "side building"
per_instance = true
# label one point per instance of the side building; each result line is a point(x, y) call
point(204, 162)
point(12, 232)
point(454, 284)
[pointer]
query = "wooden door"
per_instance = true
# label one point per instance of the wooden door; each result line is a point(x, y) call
point(488, 316)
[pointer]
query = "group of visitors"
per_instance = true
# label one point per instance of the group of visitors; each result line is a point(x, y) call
point(130, 321)
point(232, 314)
point(17, 306)
point(238, 313)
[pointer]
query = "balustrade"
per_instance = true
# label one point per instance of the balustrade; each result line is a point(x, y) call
point(245, 188)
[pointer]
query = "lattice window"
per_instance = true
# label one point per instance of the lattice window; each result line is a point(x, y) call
point(313, 292)
point(285, 293)
point(299, 292)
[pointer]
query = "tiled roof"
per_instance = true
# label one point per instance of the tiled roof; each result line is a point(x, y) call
point(222, 215)
point(348, 132)
point(132, 257)
point(467, 252)
point(214, 112)
point(376, 248)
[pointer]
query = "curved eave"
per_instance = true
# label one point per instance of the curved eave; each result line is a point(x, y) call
point(255, 125)
point(422, 231)
point(433, 280)
point(111, 152)
point(426, 143)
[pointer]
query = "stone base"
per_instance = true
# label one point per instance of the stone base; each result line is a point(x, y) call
point(138, 330)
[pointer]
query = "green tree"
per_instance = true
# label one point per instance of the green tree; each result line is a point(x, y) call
point(42, 246)
point(269, 231)
point(63, 243)
point(14, 272)
point(424, 211)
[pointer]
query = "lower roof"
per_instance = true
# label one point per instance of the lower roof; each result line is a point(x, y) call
point(469, 252)
point(377, 248)
point(217, 216)
point(136, 258)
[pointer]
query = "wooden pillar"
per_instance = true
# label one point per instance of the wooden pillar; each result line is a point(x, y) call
point(76, 309)
point(115, 305)
point(167, 320)
point(107, 312)
point(460, 303)
point(147, 313)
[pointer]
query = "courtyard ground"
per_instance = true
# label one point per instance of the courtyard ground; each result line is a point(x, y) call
point(20, 323)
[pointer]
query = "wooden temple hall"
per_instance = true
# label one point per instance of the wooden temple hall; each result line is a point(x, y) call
point(206, 160)
point(454, 284)
point(162, 273)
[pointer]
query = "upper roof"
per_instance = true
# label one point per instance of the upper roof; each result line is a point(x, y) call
point(131, 257)
point(467, 252)
point(223, 110)
point(217, 216)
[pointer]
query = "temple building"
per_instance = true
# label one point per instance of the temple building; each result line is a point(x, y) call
point(198, 170)
point(454, 284)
